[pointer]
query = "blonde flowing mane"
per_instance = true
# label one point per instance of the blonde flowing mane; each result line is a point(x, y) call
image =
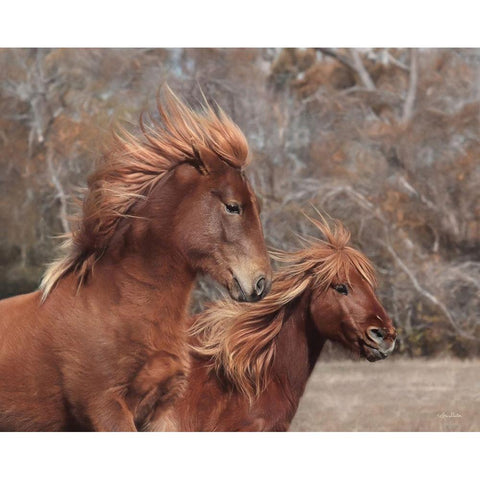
point(132, 167)
point(240, 338)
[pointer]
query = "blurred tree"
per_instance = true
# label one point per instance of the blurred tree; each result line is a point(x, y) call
point(387, 140)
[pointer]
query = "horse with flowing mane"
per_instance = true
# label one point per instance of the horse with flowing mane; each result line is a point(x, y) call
point(104, 342)
point(250, 363)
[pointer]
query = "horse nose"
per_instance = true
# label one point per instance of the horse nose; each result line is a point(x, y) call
point(243, 289)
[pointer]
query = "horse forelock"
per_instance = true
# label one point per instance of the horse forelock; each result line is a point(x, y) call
point(240, 338)
point(133, 166)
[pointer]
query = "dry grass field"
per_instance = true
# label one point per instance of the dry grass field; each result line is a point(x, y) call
point(392, 395)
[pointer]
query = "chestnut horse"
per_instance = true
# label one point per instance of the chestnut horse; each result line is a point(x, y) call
point(105, 342)
point(251, 362)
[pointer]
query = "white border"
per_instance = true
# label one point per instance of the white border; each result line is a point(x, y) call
point(249, 23)
point(226, 456)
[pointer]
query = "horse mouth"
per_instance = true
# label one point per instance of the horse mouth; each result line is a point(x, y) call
point(237, 292)
point(373, 354)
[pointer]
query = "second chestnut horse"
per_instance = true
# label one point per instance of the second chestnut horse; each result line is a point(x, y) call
point(251, 362)
point(104, 343)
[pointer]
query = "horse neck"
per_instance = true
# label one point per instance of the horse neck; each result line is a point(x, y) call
point(298, 348)
point(161, 285)
point(147, 258)
point(142, 268)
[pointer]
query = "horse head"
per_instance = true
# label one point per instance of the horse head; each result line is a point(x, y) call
point(349, 312)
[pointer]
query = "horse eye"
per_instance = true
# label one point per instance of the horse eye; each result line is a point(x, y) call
point(341, 288)
point(233, 208)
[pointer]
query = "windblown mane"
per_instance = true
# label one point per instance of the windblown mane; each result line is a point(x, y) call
point(240, 338)
point(133, 166)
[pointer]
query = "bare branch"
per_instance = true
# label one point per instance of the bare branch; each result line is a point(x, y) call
point(425, 293)
point(361, 70)
point(60, 192)
point(412, 88)
point(356, 65)
point(344, 60)
point(397, 62)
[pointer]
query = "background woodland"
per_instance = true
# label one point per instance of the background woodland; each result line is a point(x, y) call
point(386, 140)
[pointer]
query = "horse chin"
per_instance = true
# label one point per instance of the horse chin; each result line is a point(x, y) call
point(226, 280)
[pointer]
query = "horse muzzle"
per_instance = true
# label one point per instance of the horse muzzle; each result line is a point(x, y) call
point(250, 291)
point(379, 344)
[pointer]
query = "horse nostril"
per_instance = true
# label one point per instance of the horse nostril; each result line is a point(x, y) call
point(376, 334)
point(260, 286)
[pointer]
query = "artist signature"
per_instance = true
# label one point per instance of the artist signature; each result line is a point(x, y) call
point(449, 415)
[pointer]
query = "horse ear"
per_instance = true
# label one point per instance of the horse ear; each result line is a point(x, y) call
point(205, 160)
point(198, 162)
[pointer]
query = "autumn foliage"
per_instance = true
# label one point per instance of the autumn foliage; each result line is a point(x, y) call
point(387, 140)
